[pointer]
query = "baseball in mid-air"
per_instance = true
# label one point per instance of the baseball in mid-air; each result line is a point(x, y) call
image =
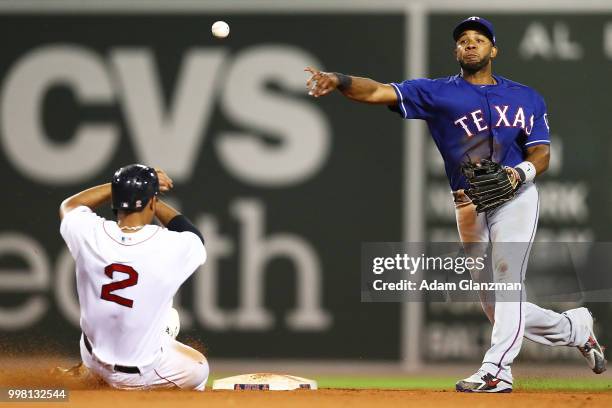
point(220, 29)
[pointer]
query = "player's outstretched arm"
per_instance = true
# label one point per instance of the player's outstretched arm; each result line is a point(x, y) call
point(92, 197)
point(355, 88)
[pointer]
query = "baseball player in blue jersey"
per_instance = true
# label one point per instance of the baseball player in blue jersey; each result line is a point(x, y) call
point(486, 127)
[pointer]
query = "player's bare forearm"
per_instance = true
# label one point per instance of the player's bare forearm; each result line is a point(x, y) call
point(356, 88)
point(175, 221)
point(164, 212)
point(369, 91)
point(93, 198)
point(540, 156)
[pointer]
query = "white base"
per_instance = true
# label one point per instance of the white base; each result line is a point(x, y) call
point(264, 382)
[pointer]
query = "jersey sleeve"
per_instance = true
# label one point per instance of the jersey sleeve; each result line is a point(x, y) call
point(540, 132)
point(193, 252)
point(76, 226)
point(414, 98)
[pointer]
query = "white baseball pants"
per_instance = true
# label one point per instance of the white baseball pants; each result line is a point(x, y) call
point(516, 222)
point(177, 366)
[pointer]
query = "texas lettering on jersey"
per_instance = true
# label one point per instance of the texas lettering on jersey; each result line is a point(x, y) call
point(505, 116)
point(469, 122)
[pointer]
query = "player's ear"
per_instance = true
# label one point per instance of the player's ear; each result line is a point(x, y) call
point(493, 52)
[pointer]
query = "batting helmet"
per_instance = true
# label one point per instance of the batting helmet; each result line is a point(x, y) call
point(133, 186)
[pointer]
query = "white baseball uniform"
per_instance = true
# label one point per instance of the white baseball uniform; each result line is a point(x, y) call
point(515, 222)
point(125, 283)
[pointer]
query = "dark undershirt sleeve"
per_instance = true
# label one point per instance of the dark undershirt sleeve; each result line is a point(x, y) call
point(180, 223)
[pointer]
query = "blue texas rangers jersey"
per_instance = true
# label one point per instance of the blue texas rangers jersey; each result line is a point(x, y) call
point(471, 122)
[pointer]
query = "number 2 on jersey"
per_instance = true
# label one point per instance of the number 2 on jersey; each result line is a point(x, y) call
point(126, 283)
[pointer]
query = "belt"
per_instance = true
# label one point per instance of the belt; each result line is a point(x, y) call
point(116, 367)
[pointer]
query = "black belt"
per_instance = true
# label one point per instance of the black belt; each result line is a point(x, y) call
point(117, 367)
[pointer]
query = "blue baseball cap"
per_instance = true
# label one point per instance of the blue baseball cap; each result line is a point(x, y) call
point(475, 23)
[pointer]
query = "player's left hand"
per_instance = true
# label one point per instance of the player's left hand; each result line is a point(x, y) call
point(490, 184)
point(165, 182)
point(515, 179)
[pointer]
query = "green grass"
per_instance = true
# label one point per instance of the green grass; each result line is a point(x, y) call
point(569, 384)
point(448, 383)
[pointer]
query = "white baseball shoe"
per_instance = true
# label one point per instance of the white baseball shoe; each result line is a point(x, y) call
point(592, 351)
point(482, 381)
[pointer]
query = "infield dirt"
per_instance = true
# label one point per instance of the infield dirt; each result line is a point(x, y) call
point(86, 395)
point(327, 398)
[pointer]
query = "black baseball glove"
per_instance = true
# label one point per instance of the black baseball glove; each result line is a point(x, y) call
point(491, 184)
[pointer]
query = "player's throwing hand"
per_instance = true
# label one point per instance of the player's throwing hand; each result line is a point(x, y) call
point(321, 83)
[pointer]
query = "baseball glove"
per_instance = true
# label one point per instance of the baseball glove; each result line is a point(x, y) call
point(490, 184)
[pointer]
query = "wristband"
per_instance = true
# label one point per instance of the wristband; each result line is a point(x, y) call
point(344, 81)
point(526, 171)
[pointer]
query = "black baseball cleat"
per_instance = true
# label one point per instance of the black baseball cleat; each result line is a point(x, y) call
point(482, 381)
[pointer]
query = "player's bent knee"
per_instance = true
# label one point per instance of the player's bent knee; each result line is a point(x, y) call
point(200, 375)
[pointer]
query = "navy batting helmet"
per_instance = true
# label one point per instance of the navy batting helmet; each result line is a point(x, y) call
point(133, 186)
